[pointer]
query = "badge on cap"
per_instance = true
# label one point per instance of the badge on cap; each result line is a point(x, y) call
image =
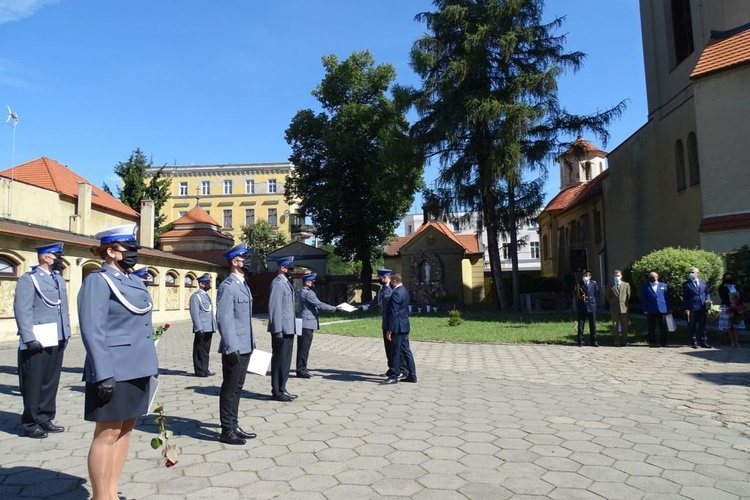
point(56, 247)
point(121, 234)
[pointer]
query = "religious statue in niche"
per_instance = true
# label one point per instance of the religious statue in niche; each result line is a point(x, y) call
point(427, 272)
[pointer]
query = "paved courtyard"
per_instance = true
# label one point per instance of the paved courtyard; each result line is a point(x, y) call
point(484, 422)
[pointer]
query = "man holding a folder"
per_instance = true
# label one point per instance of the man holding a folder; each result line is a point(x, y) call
point(41, 311)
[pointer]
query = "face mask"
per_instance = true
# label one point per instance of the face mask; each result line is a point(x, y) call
point(57, 264)
point(247, 267)
point(652, 279)
point(129, 259)
point(692, 276)
point(207, 286)
point(728, 279)
point(585, 279)
point(617, 279)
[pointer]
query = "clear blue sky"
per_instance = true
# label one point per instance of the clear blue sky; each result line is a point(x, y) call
point(199, 82)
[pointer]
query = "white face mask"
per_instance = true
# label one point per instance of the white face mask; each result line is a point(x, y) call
point(585, 279)
point(617, 279)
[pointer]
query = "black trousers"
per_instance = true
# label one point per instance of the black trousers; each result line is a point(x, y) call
point(697, 326)
point(201, 350)
point(582, 318)
point(39, 378)
point(653, 319)
point(388, 344)
point(231, 387)
point(281, 361)
point(402, 355)
point(304, 342)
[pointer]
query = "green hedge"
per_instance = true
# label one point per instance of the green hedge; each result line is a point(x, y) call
point(673, 266)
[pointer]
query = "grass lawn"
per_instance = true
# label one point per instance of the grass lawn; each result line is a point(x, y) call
point(488, 326)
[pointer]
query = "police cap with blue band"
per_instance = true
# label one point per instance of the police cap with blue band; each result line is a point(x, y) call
point(384, 272)
point(205, 277)
point(309, 277)
point(285, 262)
point(239, 250)
point(141, 273)
point(124, 235)
point(56, 247)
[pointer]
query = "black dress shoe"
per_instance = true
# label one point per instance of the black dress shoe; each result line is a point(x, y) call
point(293, 396)
point(245, 435)
point(694, 346)
point(51, 427)
point(35, 432)
point(706, 346)
point(665, 345)
point(304, 375)
point(282, 397)
point(403, 376)
point(413, 380)
point(231, 438)
point(390, 380)
point(595, 344)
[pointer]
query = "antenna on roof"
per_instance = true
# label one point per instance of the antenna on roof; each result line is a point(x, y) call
point(12, 120)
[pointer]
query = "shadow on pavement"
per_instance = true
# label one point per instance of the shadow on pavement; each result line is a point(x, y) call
point(739, 379)
point(167, 371)
point(33, 482)
point(181, 426)
point(10, 370)
point(721, 354)
point(10, 423)
point(348, 376)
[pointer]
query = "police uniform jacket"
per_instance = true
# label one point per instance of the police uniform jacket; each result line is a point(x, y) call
point(310, 305)
point(234, 310)
point(118, 340)
point(37, 307)
point(202, 312)
point(398, 310)
point(381, 300)
point(281, 306)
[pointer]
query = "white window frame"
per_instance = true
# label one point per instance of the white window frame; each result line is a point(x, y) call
point(205, 188)
point(183, 188)
point(249, 186)
point(227, 186)
point(272, 186)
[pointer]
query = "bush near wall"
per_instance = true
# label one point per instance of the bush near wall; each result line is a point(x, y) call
point(673, 266)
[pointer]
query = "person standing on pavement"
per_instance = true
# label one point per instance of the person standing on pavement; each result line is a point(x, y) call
point(381, 301)
point(41, 303)
point(731, 297)
point(281, 327)
point(398, 331)
point(234, 311)
point(114, 310)
point(695, 297)
point(618, 297)
point(587, 291)
point(309, 307)
point(656, 304)
point(204, 326)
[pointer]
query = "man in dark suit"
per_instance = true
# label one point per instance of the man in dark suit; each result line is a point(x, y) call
point(234, 310)
point(587, 291)
point(656, 304)
point(41, 306)
point(397, 319)
point(695, 295)
point(381, 301)
point(309, 305)
point(204, 326)
point(281, 327)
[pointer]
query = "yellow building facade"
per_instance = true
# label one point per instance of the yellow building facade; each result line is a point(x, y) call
point(234, 195)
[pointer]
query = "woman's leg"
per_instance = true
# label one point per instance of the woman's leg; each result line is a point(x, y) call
point(121, 446)
point(101, 459)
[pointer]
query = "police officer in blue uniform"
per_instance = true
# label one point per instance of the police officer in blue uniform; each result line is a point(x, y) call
point(310, 305)
point(114, 310)
point(41, 305)
point(281, 327)
point(234, 309)
point(141, 273)
point(204, 325)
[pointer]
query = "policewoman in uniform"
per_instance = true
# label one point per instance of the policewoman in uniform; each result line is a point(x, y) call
point(309, 307)
point(41, 301)
point(204, 325)
point(114, 310)
point(234, 311)
point(281, 328)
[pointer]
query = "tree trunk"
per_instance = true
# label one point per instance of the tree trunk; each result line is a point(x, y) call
point(513, 231)
point(366, 275)
point(490, 215)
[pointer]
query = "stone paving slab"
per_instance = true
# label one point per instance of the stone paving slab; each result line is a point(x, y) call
point(483, 422)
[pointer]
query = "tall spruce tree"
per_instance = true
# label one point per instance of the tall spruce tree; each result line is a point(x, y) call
point(489, 108)
point(356, 170)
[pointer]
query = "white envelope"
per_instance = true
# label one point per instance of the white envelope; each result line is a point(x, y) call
point(259, 362)
point(346, 307)
point(298, 326)
point(671, 325)
point(46, 334)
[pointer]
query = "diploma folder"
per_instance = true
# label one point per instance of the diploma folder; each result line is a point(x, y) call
point(259, 362)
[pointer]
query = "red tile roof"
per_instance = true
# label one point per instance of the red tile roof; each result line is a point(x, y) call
point(577, 194)
point(724, 223)
point(582, 144)
point(50, 175)
point(197, 232)
point(196, 215)
point(723, 54)
point(467, 241)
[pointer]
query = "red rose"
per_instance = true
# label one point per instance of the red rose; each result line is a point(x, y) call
point(169, 463)
point(166, 325)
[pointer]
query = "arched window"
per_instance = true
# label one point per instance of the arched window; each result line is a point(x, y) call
point(7, 267)
point(170, 279)
point(189, 281)
point(679, 162)
point(693, 165)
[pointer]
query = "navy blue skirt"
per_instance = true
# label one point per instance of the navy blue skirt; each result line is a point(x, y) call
point(130, 400)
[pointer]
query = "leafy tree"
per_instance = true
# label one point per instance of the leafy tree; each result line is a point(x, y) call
point(489, 108)
point(356, 168)
point(673, 266)
point(339, 266)
point(136, 187)
point(106, 189)
point(264, 238)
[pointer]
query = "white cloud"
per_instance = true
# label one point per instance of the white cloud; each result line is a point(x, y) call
point(15, 10)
